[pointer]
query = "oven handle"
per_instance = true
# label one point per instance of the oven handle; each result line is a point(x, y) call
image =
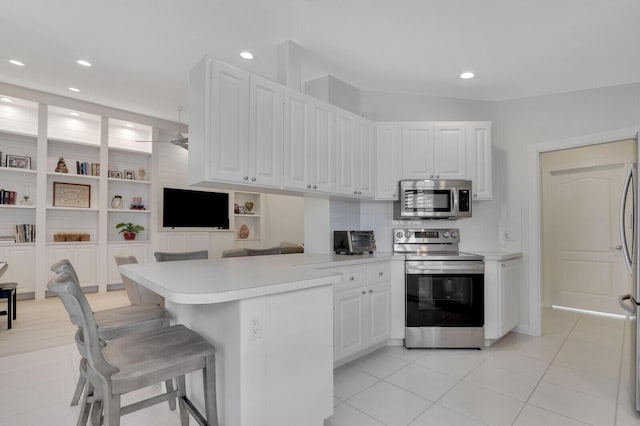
point(417, 269)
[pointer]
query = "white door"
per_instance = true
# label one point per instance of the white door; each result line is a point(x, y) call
point(296, 140)
point(379, 317)
point(365, 159)
point(349, 326)
point(450, 142)
point(583, 266)
point(321, 161)
point(479, 160)
point(345, 140)
point(387, 161)
point(417, 151)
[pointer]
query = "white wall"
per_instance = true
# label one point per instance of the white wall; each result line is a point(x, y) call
point(284, 219)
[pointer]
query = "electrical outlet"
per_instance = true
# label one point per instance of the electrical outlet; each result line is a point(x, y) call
point(255, 327)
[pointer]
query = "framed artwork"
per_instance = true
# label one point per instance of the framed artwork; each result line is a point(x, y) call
point(129, 174)
point(71, 195)
point(115, 174)
point(18, 162)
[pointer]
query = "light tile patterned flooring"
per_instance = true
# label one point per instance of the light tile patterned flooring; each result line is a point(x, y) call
point(570, 376)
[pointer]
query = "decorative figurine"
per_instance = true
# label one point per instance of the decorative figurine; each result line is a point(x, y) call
point(243, 233)
point(62, 166)
point(248, 206)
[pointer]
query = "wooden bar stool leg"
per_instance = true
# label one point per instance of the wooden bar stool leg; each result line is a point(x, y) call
point(15, 303)
point(9, 310)
point(85, 408)
point(172, 402)
point(209, 379)
point(182, 392)
point(82, 380)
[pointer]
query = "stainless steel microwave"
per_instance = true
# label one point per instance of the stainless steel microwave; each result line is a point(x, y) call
point(433, 199)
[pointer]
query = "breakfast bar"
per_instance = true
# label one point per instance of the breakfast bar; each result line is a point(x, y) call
point(271, 324)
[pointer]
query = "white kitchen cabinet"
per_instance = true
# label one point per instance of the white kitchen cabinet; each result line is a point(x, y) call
point(387, 160)
point(83, 257)
point(355, 155)
point(235, 126)
point(308, 144)
point(479, 163)
point(138, 249)
point(20, 259)
point(434, 150)
point(361, 310)
point(501, 298)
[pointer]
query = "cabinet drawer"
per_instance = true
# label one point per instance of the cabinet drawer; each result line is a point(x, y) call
point(378, 273)
point(351, 277)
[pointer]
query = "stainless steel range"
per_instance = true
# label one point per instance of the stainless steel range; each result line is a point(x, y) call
point(444, 290)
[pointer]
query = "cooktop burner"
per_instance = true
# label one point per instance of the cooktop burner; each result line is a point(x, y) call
point(430, 244)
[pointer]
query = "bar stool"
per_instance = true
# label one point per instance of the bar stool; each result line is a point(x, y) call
point(137, 361)
point(9, 291)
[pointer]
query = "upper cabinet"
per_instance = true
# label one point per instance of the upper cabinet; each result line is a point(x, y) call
point(387, 160)
point(308, 143)
point(235, 126)
point(354, 155)
point(479, 168)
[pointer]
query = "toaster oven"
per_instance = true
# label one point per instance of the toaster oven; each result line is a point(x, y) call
point(354, 242)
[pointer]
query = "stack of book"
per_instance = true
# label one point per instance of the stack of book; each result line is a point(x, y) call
point(25, 233)
point(7, 239)
point(91, 169)
point(7, 197)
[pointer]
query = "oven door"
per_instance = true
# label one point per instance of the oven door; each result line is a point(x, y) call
point(444, 294)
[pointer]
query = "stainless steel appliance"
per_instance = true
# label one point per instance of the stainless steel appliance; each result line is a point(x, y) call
point(354, 242)
point(444, 290)
point(631, 301)
point(433, 199)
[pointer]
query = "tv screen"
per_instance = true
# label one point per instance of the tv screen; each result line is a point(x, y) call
point(184, 208)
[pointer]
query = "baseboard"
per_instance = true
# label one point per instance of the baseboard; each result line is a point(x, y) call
point(112, 287)
point(26, 295)
point(87, 289)
point(524, 329)
point(395, 342)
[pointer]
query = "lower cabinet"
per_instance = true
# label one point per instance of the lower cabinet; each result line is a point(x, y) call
point(361, 310)
point(139, 250)
point(501, 298)
point(20, 259)
point(83, 258)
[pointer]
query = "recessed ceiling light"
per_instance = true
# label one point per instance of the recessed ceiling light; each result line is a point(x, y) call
point(246, 55)
point(5, 99)
point(84, 62)
point(16, 62)
point(129, 125)
point(75, 114)
point(467, 75)
point(73, 89)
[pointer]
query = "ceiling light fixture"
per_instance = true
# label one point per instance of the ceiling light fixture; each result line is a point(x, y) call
point(5, 99)
point(73, 89)
point(16, 62)
point(84, 62)
point(467, 75)
point(246, 55)
point(75, 114)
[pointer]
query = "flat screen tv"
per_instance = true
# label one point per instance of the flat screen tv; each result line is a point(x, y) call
point(184, 208)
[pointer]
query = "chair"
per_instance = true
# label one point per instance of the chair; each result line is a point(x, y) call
point(187, 255)
point(9, 291)
point(137, 361)
point(114, 323)
point(138, 295)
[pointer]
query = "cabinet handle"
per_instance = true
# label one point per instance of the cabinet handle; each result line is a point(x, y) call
point(308, 186)
point(315, 186)
point(364, 291)
point(437, 176)
point(355, 192)
point(359, 193)
point(475, 195)
point(370, 290)
point(503, 265)
point(253, 179)
point(431, 176)
point(351, 278)
point(380, 274)
point(245, 178)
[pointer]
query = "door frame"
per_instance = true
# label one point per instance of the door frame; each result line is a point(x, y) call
point(535, 219)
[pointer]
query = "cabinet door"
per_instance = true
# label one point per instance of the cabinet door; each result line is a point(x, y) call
point(378, 318)
point(20, 260)
point(265, 132)
point(365, 157)
point(184, 241)
point(345, 143)
point(387, 160)
point(82, 257)
point(321, 152)
point(229, 123)
point(509, 295)
point(417, 151)
point(296, 140)
point(450, 144)
point(479, 164)
point(140, 251)
point(349, 326)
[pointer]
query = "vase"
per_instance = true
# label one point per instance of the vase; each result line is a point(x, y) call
point(129, 236)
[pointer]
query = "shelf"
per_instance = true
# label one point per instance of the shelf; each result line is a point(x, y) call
point(21, 134)
point(81, 209)
point(246, 215)
point(72, 175)
point(72, 142)
point(128, 241)
point(16, 206)
point(128, 211)
point(5, 169)
point(75, 243)
point(142, 182)
point(251, 240)
point(11, 243)
point(131, 151)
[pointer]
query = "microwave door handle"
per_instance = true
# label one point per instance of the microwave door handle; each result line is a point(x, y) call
point(623, 230)
point(629, 307)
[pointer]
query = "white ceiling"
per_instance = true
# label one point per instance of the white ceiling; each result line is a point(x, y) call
point(142, 50)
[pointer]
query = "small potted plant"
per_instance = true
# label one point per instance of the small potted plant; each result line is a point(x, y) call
point(129, 229)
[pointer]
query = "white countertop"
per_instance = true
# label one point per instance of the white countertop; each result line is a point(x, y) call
point(499, 255)
point(224, 280)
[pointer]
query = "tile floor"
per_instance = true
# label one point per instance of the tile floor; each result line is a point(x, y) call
point(570, 376)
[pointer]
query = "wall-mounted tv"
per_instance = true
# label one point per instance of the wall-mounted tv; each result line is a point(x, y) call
point(183, 208)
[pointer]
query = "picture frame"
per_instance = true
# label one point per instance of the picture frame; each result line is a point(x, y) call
point(116, 174)
point(240, 209)
point(130, 175)
point(18, 161)
point(71, 195)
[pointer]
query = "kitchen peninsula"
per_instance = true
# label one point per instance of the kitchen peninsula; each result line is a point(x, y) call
point(271, 321)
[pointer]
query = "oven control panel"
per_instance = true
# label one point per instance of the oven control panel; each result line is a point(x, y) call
point(426, 236)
